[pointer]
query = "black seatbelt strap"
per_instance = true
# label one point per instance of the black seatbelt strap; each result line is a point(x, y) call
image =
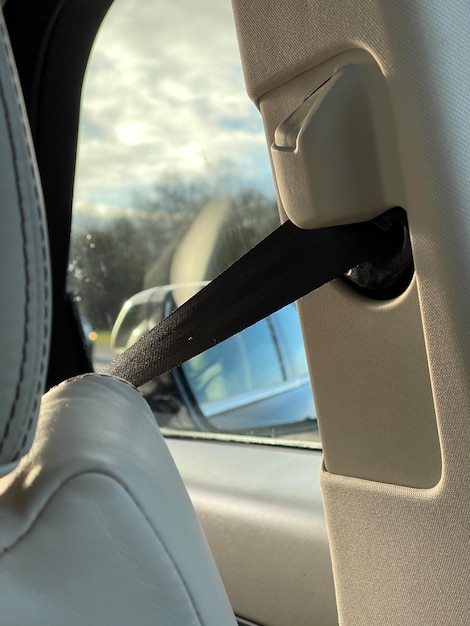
point(286, 265)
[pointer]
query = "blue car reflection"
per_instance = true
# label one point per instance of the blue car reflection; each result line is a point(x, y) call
point(254, 383)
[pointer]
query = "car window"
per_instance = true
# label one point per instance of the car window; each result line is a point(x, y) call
point(246, 363)
point(173, 184)
point(135, 324)
point(289, 338)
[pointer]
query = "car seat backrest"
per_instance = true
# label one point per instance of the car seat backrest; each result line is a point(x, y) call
point(25, 310)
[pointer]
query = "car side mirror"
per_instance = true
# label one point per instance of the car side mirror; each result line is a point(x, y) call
point(255, 382)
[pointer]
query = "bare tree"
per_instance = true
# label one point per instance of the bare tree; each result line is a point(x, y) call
point(109, 263)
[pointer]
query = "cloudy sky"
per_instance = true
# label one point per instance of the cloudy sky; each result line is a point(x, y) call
point(164, 96)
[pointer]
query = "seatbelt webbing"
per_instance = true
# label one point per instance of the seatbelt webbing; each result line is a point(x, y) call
point(286, 265)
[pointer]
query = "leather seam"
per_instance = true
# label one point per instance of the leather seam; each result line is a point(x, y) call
point(116, 378)
point(26, 256)
point(80, 377)
point(117, 480)
point(19, 194)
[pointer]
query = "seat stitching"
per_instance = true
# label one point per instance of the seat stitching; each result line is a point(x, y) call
point(25, 262)
point(80, 377)
point(45, 268)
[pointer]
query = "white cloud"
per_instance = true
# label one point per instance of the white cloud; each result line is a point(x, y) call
point(164, 93)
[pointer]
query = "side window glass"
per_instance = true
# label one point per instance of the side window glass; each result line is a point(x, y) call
point(244, 364)
point(173, 184)
point(134, 325)
point(287, 328)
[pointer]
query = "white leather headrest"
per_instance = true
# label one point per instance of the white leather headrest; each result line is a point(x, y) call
point(24, 266)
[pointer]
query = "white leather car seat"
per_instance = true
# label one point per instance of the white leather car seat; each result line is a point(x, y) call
point(96, 526)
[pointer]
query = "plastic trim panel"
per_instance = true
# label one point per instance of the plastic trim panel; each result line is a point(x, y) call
point(262, 513)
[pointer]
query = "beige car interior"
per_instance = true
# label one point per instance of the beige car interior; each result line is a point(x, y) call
point(390, 378)
point(93, 510)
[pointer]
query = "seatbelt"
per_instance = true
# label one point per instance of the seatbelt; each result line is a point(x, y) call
point(285, 266)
